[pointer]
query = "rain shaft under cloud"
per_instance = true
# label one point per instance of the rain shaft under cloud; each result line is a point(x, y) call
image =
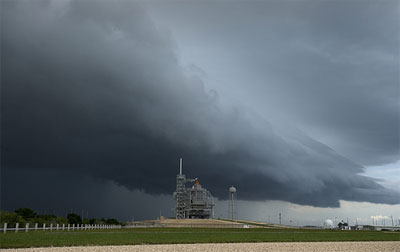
point(96, 90)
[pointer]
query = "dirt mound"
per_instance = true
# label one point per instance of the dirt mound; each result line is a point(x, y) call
point(194, 221)
point(205, 223)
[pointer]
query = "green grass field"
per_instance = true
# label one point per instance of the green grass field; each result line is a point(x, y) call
point(183, 235)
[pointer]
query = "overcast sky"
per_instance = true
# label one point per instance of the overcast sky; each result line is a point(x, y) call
point(296, 103)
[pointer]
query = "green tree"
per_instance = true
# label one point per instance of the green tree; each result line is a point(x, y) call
point(40, 221)
point(26, 213)
point(112, 222)
point(73, 218)
point(61, 220)
point(11, 219)
point(46, 218)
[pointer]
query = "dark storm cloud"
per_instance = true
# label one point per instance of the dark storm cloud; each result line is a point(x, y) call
point(61, 192)
point(95, 89)
point(330, 67)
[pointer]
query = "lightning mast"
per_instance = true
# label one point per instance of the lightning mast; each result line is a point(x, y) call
point(180, 193)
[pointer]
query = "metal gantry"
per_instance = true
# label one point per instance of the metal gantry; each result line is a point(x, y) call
point(195, 202)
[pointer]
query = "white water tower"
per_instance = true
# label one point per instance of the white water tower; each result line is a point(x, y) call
point(232, 203)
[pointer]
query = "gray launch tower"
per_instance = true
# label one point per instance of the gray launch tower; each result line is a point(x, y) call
point(195, 202)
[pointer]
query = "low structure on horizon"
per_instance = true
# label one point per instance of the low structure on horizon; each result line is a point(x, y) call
point(194, 202)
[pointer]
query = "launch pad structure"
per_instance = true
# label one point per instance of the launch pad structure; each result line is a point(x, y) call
point(192, 203)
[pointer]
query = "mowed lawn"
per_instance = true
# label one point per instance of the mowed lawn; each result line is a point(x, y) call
point(183, 235)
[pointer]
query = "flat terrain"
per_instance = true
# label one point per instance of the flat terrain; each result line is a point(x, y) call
point(184, 236)
point(233, 247)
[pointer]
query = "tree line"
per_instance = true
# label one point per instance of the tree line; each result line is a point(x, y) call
point(27, 215)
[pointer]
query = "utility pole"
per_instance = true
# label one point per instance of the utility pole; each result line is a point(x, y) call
point(280, 219)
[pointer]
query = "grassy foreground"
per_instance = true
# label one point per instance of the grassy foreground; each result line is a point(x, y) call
point(183, 235)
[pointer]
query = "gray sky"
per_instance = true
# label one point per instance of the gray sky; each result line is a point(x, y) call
point(288, 101)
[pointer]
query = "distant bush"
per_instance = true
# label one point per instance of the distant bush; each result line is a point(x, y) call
point(112, 222)
point(61, 220)
point(73, 218)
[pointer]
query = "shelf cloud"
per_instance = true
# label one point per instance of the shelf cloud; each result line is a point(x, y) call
point(96, 89)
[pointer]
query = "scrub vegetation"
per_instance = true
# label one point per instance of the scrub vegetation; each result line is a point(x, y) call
point(27, 215)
